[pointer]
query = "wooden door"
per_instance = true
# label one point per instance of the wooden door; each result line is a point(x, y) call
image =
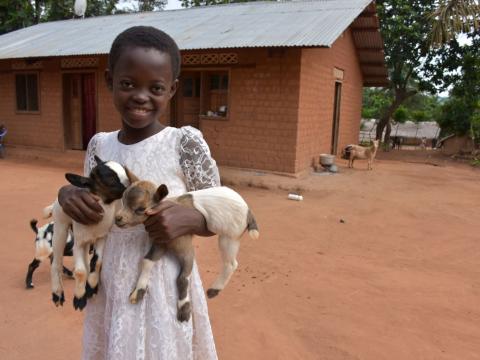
point(188, 100)
point(336, 117)
point(79, 109)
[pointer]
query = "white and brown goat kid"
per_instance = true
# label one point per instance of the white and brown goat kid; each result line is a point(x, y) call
point(108, 181)
point(226, 214)
point(353, 152)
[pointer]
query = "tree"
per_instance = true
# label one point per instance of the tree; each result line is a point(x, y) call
point(406, 35)
point(401, 114)
point(453, 17)
point(460, 114)
point(375, 102)
point(15, 14)
point(151, 5)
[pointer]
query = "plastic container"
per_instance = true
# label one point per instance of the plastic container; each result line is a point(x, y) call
point(295, 197)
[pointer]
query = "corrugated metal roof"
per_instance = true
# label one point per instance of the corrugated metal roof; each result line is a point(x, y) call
point(252, 24)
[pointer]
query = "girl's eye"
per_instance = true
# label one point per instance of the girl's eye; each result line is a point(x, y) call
point(140, 211)
point(158, 89)
point(126, 84)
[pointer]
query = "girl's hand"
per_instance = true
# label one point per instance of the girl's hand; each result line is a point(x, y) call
point(80, 205)
point(168, 220)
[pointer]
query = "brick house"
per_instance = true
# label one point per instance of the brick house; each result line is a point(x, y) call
point(270, 84)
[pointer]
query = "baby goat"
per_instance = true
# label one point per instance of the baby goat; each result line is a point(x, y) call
point(226, 214)
point(353, 152)
point(108, 180)
point(43, 249)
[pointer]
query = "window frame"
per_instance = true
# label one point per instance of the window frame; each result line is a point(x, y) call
point(27, 111)
point(205, 91)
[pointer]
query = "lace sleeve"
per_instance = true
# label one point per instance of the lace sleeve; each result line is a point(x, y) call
point(200, 169)
point(89, 156)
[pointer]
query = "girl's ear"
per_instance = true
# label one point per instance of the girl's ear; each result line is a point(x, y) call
point(173, 88)
point(79, 181)
point(131, 176)
point(109, 79)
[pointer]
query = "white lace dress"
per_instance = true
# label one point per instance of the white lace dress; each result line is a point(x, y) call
point(114, 329)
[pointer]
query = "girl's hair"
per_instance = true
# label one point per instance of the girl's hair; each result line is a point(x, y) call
point(146, 37)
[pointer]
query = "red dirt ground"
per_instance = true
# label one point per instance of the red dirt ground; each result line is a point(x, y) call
point(398, 279)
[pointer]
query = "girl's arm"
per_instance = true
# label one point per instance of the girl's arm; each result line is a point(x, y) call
point(169, 220)
point(78, 203)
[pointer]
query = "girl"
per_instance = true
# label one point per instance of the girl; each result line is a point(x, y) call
point(144, 64)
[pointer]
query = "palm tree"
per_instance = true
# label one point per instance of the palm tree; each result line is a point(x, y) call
point(453, 17)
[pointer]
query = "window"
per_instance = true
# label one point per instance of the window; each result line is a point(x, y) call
point(216, 95)
point(191, 86)
point(27, 92)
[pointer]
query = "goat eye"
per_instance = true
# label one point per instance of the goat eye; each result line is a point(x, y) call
point(140, 211)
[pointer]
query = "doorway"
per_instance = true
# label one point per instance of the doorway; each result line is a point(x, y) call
point(188, 100)
point(336, 117)
point(79, 109)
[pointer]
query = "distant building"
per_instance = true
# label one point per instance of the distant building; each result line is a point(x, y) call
point(409, 132)
point(270, 84)
point(454, 144)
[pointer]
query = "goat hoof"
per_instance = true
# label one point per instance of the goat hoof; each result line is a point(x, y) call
point(89, 291)
point(80, 303)
point(29, 286)
point(183, 314)
point(58, 300)
point(211, 293)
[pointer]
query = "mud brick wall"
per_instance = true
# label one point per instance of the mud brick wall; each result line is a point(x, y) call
point(260, 132)
point(317, 93)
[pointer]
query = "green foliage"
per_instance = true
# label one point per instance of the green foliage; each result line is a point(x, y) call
point(419, 115)
point(15, 14)
point(475, 124)
point(151, 5)
point(452, 17)
point(419, 107)
point(406, 35)
point(460, 114)
point(375, 102)
point(401, 114)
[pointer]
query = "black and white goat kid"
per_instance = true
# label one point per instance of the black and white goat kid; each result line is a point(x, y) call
point(43, 249)
point(108, 181)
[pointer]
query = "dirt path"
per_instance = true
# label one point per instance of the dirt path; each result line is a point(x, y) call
point(398, 279)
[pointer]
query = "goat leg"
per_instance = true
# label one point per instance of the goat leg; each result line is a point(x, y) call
point(95, 268)
point(80, 274)
point(66, 271)
point(184, 251)
point(155, 253)
point(58, 245)
point(229, 249)
point(31, 268)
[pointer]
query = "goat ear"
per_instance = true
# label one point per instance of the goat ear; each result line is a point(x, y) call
point(78, 180)
point(131, 176)
point(161, 193)
point(98, 160)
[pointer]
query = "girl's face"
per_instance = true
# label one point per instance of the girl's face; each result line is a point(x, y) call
point(142, 85)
